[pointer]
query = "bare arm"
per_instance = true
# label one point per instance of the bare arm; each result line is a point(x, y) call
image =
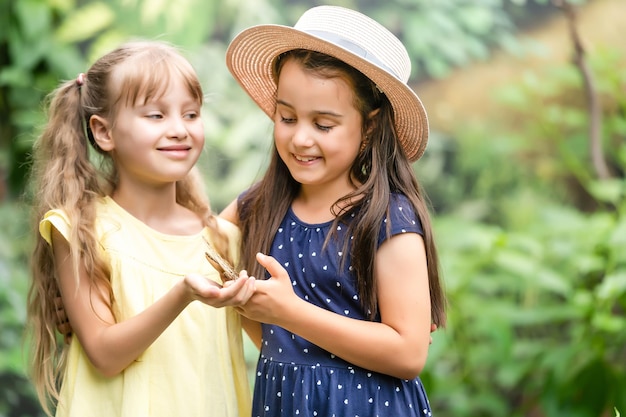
point(230, 213)
point(397, 346)
point(112, 346)
point(252, 328)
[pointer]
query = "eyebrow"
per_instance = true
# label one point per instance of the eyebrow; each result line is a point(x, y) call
point(320, 112)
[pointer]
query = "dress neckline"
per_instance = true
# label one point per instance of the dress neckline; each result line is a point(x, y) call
point(123, 212)
point(298, 220)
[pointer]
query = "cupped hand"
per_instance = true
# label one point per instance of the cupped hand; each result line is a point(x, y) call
point(232, 293)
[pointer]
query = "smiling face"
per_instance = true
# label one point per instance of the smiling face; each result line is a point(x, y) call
point(317, 129)
point(155, 141)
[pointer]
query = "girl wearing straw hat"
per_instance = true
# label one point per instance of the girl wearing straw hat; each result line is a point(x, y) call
point(338, 221)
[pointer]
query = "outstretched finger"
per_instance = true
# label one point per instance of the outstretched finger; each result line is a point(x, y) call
point(272, 265)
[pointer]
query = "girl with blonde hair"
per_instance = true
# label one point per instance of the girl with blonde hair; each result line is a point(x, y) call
point(123, 242)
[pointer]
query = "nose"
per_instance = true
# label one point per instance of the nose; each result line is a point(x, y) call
point(177, 128)
point(302, 136)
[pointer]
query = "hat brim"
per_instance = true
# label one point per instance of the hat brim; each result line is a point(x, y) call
point(250, 57)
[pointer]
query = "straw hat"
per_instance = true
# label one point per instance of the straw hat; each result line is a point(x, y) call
point(344, 34)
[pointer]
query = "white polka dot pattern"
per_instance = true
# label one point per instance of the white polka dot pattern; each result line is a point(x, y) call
point(297, 378)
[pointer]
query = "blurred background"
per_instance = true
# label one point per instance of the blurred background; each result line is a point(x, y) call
point(525, 170)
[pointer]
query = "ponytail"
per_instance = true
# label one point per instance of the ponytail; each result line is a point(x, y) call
point(63, 178)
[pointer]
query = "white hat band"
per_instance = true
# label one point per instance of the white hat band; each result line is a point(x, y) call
point(354, 48)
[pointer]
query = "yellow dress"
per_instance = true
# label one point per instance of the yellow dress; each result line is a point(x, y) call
point(196, 367)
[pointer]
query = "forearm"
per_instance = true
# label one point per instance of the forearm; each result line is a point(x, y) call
point(112, 348)
point(393, 352)
point(111, 345)
point(253, 330)
point(396, 346)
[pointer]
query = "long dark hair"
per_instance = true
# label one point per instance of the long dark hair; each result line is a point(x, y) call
point(381, 168)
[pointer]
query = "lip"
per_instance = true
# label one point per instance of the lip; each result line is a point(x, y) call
point(176, 151)
point(175, 148)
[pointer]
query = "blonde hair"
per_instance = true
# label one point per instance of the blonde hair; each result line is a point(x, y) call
point(64, 177)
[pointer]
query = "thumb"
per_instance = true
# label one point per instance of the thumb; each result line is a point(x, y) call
point(270, 263)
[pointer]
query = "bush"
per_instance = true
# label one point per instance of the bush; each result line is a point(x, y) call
point(18, 399)
point(536, 274)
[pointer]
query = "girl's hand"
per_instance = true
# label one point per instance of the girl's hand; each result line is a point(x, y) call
point(232, 293)
point(63, 323)
point(273, 297)
point(260, 306)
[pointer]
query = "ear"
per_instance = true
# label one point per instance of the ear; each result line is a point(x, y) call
point(371, 122)
point(101, 130)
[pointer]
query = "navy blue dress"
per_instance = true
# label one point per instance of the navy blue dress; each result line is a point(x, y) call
point(296, 378)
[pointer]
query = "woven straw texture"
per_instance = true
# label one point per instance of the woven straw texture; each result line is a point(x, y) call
point(373, 50)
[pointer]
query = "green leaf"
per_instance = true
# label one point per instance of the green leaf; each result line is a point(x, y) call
point(477, 19)
point(27, 54)
point(609, 323)
point(34, 18)
point(105, 42)
point(65, 61)
point(612, 286)
point(608, 191)
point(14, 76)
point(85, 22)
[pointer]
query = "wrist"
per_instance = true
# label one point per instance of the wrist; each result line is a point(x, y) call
point(183, 291)
point(291, 311)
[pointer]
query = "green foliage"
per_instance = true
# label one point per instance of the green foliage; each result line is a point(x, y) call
point(43, 42)
point(536, 274)
point(556, 143)
point(238, 135)
point(537, 315)
point(531, 245)
point(18, 397)
point(439, 35)
point(32, 61)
